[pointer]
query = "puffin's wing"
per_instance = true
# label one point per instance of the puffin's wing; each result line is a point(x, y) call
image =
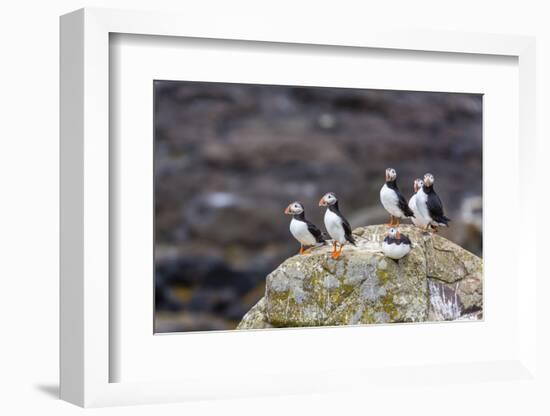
point(405, 239)
point(315, 232)
point(347, 231)
point(435, 208)
point(403, 205)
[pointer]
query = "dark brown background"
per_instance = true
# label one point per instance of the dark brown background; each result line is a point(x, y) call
point(230, 157)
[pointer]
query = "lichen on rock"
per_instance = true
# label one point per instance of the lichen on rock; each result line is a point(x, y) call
point(437, 280)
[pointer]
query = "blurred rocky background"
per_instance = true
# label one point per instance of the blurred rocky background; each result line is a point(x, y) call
point(230, 157)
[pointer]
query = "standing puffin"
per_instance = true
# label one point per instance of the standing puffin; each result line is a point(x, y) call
point(429, 205)
point(418, 219)
point(337, 226)
point(304, 231)
point(392, 200)
point(396, 245)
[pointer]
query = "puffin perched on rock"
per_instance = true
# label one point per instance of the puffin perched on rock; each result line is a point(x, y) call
point(418, 219)
point(396, 245)
point(337, 226)
point(304, 231)
point(429, 205)
point(392, 199)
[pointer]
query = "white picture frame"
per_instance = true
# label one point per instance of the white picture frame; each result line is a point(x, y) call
point(87, 356)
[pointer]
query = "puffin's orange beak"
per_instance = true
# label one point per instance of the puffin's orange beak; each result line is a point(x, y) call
point(287, 210)
point(386, 177)
point(322, 202)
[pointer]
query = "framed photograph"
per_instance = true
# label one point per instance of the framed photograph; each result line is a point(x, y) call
point(278, 211)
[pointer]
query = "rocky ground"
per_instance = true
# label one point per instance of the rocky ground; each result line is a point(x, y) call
point(438, 280)
point(230, 157)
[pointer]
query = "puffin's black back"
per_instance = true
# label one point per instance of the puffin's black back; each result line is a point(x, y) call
point(402, 239)
point(312, 228)
point(345, 224)
point(316, 232)
point(401, 201)
point(435, 207)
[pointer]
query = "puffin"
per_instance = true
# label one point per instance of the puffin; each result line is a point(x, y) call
point(302, 230)
point(418, 219)
point(335, 223)
point(396, 245)
point(392, 199)
point(429, 205)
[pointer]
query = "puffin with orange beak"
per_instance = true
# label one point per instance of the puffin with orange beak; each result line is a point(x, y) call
point(335, 223)
point(302, 230)
point(429, 204)
point(396, 245)
point(392, 199)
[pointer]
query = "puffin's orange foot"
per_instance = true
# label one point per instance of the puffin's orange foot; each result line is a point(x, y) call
point(302, 251)
point(337, 254)
point(334, 253)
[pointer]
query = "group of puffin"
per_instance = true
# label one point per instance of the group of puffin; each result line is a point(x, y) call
point(424, 209)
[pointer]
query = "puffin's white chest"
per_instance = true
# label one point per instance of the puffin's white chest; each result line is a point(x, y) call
point(422, 205)
point(418, 218)
point(301, 233)
point(395, 251)
point(333, 224)
point(389, 200)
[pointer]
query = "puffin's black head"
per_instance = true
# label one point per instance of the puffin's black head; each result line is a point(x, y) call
point(429, 179)
point(394, 233)
point(391, 174)
point(418, 183)
point(328, 199)
point(294, 208)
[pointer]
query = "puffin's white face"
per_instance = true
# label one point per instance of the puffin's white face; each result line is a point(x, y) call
point(391, 174)
point(429, 179)
point(393, 233)
point(328, 199)
point(294, 208)
point(418, 183)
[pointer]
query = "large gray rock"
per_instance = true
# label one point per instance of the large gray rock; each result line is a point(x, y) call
point(437, 281)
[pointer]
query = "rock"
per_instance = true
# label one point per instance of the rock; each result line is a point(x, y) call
point(437, 281)
point(256, 317)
